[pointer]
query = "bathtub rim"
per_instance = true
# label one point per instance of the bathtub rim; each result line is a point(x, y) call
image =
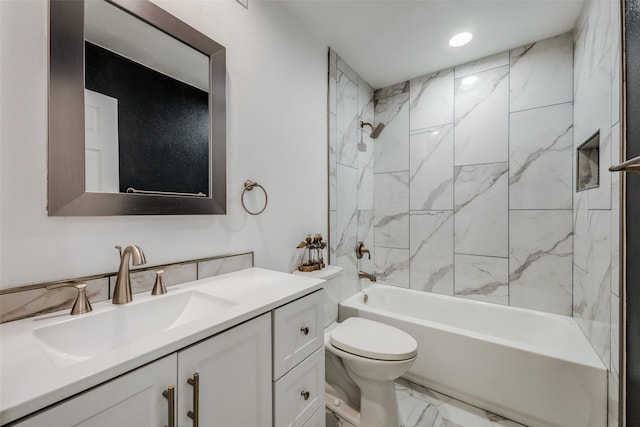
point(591, 359)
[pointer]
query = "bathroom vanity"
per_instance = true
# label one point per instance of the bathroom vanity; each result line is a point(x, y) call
point(240, 349)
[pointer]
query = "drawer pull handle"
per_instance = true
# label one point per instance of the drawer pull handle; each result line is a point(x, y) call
point(305, 395)
point(195, 382)
point(169, 394)
point(304, 330)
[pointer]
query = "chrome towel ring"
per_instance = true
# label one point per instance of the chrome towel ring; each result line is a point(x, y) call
point(249, 186)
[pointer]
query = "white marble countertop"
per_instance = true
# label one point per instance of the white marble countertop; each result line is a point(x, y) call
point(29, 380)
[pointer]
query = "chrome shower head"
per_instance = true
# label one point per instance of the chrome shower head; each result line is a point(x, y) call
point(376, 128)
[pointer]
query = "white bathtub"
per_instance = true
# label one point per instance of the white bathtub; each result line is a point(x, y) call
point(532, 367)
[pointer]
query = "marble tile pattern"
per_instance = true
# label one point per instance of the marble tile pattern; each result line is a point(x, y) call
point(515, 131)
point(541, 73)
point(333, 79)
point(431, 246)
point(431, 169)
point(596, 301)
point(392, 146)
point(541, 150)
point(393, 90)
point(351, 178)
point(422, 407)
point(143, 281)
point(391, 210)
point(19, 305)
point(346, 120)
point(431, 100)
point(22, 304)
point(366, 146)
point(481, 117)
point(366, 235)
point(593, 100)
point(540, 260)
point(347, 210)
point(482, 278)
point(483, 64)
point(592, 280)
point(224, 265)
point(392, 266)
point(481, 209)
point(480, 151)
point(521, 233)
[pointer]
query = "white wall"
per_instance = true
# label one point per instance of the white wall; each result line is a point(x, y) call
point(276, 135)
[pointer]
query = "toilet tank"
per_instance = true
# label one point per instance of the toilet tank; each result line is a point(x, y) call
point(332, 290)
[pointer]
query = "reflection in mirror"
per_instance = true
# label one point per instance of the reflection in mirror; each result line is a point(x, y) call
point(136, 105)
point(146, 107)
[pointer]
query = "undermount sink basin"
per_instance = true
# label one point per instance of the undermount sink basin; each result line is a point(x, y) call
point(87, 336)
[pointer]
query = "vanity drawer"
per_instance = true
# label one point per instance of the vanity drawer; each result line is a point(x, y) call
point(319, 419)
point(300, 393)
point(297, 332)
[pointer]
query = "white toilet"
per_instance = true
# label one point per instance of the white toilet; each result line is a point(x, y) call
point(363, 358)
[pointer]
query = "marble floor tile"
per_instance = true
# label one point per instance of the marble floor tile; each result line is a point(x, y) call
point(422, 407)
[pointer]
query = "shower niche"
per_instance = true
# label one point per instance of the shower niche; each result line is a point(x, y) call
point(588, 163)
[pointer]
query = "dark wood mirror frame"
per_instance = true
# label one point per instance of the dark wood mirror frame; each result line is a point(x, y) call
point(66, 158)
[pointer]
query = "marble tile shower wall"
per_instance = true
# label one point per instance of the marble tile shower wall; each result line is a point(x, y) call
point(351, 170)
point(473, 179)
point(596, 212)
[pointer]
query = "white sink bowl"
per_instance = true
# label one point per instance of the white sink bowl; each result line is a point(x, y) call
point(87, 336)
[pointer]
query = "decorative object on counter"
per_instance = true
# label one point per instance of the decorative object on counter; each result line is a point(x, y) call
point(158, 287)
point(248, 186)
point(313, 245)
point(81, 304)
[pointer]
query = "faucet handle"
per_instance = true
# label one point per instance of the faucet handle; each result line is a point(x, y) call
point(81, 305)
point(119, 248)
point(158, 287)
point(360, 250)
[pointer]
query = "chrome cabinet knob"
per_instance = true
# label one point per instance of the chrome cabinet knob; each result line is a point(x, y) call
point(304, 330)
point(305, 395)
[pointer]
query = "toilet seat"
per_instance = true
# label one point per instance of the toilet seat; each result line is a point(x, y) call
point(373, 340)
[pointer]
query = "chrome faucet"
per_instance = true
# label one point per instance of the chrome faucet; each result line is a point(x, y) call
point(122, 291)
point(363, 275)
point(360, 250)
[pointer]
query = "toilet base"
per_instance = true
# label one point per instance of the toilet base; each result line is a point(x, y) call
point(372, 413)
point(343, 410)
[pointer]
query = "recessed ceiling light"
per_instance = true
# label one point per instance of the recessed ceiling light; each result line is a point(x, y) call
point(460, 39)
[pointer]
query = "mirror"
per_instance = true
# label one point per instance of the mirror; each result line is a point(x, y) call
point(136, 112)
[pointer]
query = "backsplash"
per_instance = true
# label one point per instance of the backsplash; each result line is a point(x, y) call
point(26, 303)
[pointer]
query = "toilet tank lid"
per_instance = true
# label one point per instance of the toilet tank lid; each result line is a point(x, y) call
point(375, 340)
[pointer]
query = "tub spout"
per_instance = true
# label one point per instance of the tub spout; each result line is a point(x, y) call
point(363, 275)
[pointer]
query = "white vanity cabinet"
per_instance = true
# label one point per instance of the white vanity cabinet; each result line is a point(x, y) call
point(234, 378)
point(264, 371)
point(233, 387)
point(132, 400)
point(298, 362)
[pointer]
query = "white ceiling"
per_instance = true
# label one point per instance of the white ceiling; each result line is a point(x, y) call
point(390, 41)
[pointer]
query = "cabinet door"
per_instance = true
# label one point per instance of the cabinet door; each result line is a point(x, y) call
point(132, 400)
point(234, 377)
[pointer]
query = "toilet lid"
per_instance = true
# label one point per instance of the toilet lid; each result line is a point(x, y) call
point(374, 340)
